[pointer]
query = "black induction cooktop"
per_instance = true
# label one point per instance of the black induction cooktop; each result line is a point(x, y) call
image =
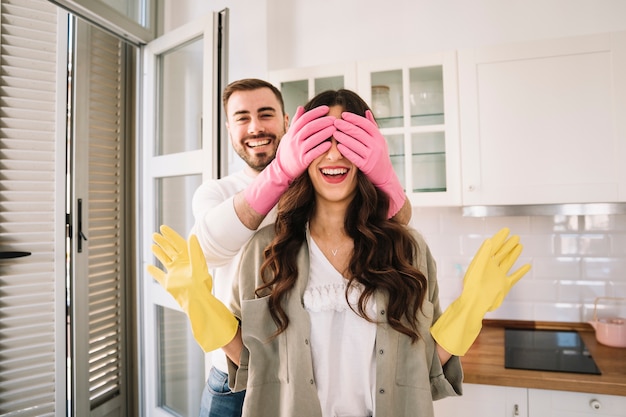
point(547, 350)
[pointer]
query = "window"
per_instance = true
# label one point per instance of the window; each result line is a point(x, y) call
point(135, 20)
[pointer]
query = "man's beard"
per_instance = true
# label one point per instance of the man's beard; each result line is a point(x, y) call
point(258, 162)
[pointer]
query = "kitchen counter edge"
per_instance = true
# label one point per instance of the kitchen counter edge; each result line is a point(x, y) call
point(484, 362)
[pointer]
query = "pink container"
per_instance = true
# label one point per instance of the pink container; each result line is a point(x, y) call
point(609, 331)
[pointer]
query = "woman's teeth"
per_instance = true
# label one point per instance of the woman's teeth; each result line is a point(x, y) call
point(334, 171)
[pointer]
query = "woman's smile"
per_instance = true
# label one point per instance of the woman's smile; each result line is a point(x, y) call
point(334, 174)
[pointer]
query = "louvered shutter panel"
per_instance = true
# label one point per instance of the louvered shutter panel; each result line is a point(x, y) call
point(32, 298)
point(106, 246)
point(100, 276)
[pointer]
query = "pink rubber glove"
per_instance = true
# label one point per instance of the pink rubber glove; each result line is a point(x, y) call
point(305, 140)
point(362, 143)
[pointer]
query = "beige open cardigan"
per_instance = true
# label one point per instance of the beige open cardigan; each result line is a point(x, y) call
point(277, 373)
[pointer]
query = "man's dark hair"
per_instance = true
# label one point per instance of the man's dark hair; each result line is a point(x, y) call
point(248, 84)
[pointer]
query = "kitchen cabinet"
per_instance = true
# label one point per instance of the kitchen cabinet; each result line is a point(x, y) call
point(415, 103)
point(499, 401)
point(544, 121)
point(543, 403)
point(300, 85)
point(540, 122)
point(485, 401)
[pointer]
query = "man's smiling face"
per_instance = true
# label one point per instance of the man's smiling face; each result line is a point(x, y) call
point(256, 124)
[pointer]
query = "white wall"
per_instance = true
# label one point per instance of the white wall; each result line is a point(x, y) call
point(247, 36)
point(305, 33)
point(274, 34)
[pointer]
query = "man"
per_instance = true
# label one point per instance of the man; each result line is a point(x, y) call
point(228, 211)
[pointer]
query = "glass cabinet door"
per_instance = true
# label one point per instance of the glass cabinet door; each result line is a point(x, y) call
point(428, 162)
point(297, 93)
point(300, 85)
point(414, 102)
point(395, 144)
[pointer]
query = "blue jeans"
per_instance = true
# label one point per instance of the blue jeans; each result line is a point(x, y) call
point(217, 399)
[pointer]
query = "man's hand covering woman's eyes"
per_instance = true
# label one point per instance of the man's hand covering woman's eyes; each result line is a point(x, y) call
point(305, 140)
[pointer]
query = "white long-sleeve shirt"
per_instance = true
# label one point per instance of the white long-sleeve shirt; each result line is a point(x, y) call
point(222, 235)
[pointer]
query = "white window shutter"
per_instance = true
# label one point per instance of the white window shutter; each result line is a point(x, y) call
point(105, 208)
point(99, 277)
point(32, 298)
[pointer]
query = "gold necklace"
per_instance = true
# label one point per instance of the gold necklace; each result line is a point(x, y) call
point(322, 243)
point(335, 251)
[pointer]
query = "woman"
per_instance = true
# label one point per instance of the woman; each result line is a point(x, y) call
point(336, 305)
point(336, 301)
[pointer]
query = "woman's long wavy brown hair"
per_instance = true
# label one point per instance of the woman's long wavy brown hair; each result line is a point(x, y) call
point(384, 250)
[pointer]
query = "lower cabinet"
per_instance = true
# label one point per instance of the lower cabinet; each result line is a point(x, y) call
point(485, 401)
point(574, 404)
point(497, 401)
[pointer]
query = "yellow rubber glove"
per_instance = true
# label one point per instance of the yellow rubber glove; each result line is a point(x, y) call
point(188, 280)
point(485, 285)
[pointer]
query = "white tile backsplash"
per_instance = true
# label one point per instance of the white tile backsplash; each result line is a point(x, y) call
point(547, 267)
point(618, 245)
point(574, 259)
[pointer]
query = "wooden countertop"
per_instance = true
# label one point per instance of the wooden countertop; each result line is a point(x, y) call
point(484, 362)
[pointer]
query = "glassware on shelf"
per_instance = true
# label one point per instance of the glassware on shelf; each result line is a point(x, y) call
point(426, 96)
point(381, 102)
point(387, 98)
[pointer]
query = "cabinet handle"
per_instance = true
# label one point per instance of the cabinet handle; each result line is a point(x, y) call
point(516, 410)
point(595, 404)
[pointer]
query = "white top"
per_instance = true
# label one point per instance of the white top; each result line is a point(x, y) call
point(222, 236)
point(341, 342)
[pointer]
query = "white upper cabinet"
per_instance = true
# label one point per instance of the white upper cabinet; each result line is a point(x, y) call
point(300, 85)
point(544, 122)
point(414, 101)
point(541, 122)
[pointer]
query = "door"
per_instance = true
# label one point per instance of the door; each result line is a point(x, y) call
point(33, 58)
point(178, 153)
point(100, 274)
